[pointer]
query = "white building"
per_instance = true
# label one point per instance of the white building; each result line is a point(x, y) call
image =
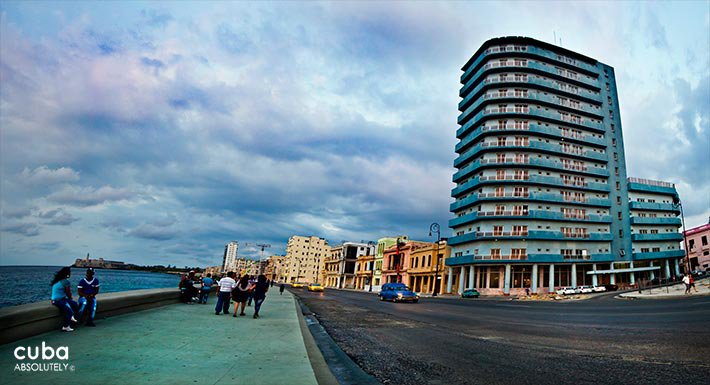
point(229, 261)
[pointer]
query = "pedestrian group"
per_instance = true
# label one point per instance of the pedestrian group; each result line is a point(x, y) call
point(244, 291)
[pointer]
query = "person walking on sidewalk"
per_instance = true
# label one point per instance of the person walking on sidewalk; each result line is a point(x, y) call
point(61, 297)
point(252, 282)
point(260, 289)
point(240, 294)
point(281, 289)
point(686, 281)
point(691, 283)
point(207, 283)
point(226, 285)
point(88, 288)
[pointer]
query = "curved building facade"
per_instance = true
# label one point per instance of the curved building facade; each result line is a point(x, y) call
point(542, 196)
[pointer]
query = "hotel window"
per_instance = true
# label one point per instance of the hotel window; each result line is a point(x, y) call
point(618, 186)
point(704, 240)
point(518, 253)
point(497, 230)
point(520, 230)
point(616, 171)
point(618, 200)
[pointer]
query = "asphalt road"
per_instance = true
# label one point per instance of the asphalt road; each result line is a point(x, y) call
point(480, 341)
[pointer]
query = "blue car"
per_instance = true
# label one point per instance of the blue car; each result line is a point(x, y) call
point(397, 292)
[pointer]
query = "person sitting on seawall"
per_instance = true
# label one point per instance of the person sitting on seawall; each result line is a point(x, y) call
point(207, 283)
point(88, 288)
point(61, 297)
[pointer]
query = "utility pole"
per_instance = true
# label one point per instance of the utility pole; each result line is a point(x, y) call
point(676, 201)
point(434, 228)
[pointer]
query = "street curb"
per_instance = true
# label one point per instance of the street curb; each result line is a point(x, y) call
point(341, 366)
point(320, 367)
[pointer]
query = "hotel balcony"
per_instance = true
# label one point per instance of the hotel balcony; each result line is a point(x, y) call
point(531, 128)
point(532, 196)
point(477, 216)
point(531, 112)
point(534, 162)
point(660, 254)
point(529, 235)
point(653, 206)
point(655, 221)
point(530, 51)
point(657, 237)
point(512, 96)
point(531, 67)
point(532, 146)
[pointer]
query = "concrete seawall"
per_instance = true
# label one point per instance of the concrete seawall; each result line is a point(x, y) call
point(18, 322)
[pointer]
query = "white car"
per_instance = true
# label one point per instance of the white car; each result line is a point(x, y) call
point(586, 289)
point(599, 289)
point(566, 291)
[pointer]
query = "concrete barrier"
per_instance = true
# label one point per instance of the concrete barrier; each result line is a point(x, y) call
point(18, 322)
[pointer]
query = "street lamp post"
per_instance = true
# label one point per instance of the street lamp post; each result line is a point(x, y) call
point(372, 265)
point(434, 228)
point(677, 201)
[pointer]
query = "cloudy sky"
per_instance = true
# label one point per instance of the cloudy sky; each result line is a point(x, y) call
point(156, 132)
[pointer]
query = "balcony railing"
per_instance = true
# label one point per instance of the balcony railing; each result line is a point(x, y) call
point(497, 257)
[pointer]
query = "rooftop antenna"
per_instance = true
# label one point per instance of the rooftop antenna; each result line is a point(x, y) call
point(554, 37)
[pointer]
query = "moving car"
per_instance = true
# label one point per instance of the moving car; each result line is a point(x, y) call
point(397, 292)
point(470, 293)
point(298, 285)
point(599, 289)
point(315, 287)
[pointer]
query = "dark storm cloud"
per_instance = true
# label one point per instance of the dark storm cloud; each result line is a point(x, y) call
point(26, 229)
point(166, 134)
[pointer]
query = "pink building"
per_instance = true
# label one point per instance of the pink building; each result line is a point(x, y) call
point(698, 241)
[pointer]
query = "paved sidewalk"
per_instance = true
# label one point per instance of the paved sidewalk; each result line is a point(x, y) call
point(674, 291)
point(178, 344)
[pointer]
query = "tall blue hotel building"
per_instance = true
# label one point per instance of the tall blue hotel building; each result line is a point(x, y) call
point(542, 199)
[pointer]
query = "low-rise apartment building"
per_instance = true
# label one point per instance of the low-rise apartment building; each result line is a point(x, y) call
point(340, 265)
point(425, 272)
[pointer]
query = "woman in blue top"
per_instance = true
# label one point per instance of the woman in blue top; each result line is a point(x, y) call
point(61, 297)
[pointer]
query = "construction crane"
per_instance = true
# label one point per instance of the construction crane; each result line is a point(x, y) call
point(262, 246)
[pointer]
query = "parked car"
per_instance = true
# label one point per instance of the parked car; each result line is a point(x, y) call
point(315, 287)
point(566, 291)
point(470, 293)
point(397, 292)
point(599, 289)
point(298, 285)
point(586, 289)
point(698, 274)
point(609, 287)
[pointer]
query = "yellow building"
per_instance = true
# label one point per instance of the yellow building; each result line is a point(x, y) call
point(422, 268)
point(274, 267)
point(304, 260)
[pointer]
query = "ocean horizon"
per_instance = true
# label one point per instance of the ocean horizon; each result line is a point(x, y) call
point(31, 283)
